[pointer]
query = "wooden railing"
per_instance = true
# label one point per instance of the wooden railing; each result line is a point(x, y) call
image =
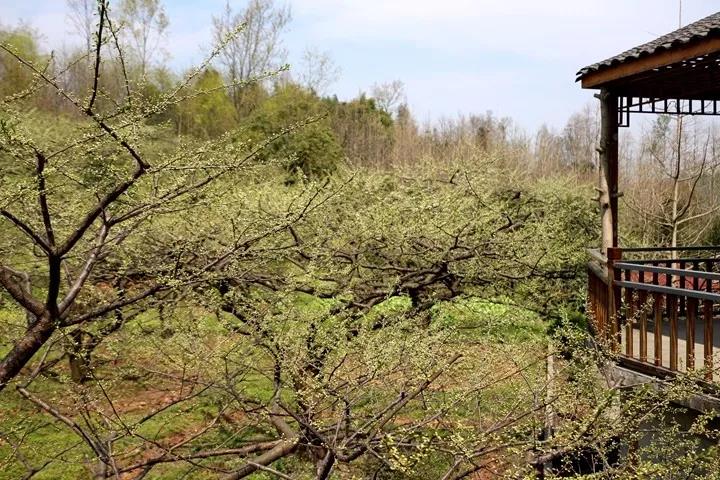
point(598, 290)
point(653, 312)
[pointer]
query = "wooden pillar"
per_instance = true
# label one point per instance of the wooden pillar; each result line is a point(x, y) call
point(608, 184)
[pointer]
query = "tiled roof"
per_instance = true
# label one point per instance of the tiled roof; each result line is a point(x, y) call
point(707, 27)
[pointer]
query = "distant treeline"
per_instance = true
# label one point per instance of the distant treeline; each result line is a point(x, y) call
point(250, 93)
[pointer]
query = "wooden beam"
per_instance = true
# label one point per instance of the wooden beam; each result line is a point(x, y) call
point(608, 180)
point(707, 46)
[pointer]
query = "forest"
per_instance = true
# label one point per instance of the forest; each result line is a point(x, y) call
point(229, 272)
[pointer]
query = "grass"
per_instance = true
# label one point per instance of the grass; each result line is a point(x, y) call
point(42, 440)
point(494, 320)
point(12, 323)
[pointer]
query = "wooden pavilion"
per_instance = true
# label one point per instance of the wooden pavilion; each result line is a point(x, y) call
point(655, 306)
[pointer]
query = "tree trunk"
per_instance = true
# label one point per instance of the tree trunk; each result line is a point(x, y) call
point(283, 449)
point(676, 189)
point(78, 357)
point(21, 353)
point(324, 466)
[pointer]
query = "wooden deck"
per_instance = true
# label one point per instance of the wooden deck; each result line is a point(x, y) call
point(658, 309)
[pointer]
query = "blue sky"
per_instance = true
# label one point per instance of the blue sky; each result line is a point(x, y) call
point(517, 58)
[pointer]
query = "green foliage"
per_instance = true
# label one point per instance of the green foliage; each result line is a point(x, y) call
point(208, 112)
point(299, 310)
point(404, 316)
point(14, 77)
point(565, 223)
point(248, 97)
point(532, 237)
point(490, 320)
point(310, 148)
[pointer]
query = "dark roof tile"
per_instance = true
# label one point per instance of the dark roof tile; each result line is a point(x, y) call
point(707, 27)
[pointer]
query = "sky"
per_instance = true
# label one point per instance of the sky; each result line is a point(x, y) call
point(516, 58)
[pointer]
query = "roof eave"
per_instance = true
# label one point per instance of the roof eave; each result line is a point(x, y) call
point(600, 78)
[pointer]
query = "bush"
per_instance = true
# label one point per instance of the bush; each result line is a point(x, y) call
point(310, 149)
point(210, 112)
point(14, 77)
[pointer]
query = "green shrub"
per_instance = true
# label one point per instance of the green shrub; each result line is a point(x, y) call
point(210, 112)
point(310, 148)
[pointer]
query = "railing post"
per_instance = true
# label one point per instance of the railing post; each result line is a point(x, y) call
point(708, 339)
point(672, 305)
point(643, 299)
point(683, 300)
point(658, 319)
point(692, 306)
point(709, 335)
point(629, 317)
point(614, 255)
